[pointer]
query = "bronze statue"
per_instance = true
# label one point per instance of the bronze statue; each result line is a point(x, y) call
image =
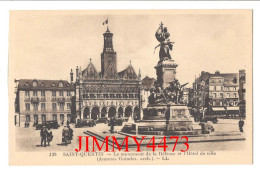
point(173, 93)
point(162, 35)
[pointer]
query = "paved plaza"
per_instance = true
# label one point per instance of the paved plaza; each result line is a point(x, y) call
point(28, 139)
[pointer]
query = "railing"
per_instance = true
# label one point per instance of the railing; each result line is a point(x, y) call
point(34, 99)
point(43, 99)
point(53, 99)
point(27, 99)
point(61, 99)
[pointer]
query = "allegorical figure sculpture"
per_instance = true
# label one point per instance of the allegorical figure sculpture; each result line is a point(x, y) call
point(174, 92)
point(162, 35)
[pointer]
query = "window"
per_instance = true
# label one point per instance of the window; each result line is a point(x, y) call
point(220, 103)
point(34, 93)
point(235, 88)
point(35, 107)
point(61, 106)
point(219, 88)
point(211, 88)
point(43, 93)
point(61, 93)
point(28, 118)
point(214, 103)
point(68, 106)
point(54, 106)
point(61, 117)
point(214, 95)
point(43, 118)
point(228, 95)
point(124, 95)
point(68, 93)
point(34, 83)
point(53, 94)
point(221, 95)
point(54, 117)
point(112, 96)
point(84, 94)
point(27, 93)
point(215, 88)
point(68, 117)
point(60, 84)
point(27, 106)
point(43, 106)
point(118, 96)
point(235, 95)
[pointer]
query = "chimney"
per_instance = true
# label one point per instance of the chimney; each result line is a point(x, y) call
point(71, 76)
point(77, 71)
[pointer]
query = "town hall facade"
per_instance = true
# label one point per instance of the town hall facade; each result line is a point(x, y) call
point(107, 93)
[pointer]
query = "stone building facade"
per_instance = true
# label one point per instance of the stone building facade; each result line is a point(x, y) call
point(217, 92)
point(107, 93)
point(242, 92)
point(38, 101)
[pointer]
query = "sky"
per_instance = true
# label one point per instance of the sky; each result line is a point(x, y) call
point(47, 44)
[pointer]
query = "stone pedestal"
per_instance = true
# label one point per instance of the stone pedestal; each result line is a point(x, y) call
point(166, 72)
point(163, 119)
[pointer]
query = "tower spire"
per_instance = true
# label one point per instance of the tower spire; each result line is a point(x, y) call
point(139, 74)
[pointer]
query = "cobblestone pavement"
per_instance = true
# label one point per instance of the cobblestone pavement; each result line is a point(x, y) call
point(28, 139)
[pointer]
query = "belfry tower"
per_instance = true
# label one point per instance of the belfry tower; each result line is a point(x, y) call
point(108, 56)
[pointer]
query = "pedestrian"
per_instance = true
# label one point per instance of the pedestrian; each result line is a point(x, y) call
point(49, 137)
point(241, 124)
point(112, 125)
point(43, 134)
point(65, 134)
point(71, 132)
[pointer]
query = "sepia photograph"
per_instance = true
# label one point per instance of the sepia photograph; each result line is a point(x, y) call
point(90, 87)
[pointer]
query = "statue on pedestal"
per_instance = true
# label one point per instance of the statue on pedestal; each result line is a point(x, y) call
point(162, 35)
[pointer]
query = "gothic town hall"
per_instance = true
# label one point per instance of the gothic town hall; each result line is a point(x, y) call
point(107, 93)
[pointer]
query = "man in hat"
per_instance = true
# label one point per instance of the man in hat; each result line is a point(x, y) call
point(43, 134)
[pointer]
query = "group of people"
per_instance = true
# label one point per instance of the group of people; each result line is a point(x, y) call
point(46, 136)
point(67, 134)
point(26, 124)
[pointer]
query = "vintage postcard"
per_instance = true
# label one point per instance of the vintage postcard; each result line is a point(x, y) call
point(134, 87)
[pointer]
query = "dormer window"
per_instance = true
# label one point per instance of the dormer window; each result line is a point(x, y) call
point(53, 85)
point(42, 84)
point(60, 84)
point(34, 83)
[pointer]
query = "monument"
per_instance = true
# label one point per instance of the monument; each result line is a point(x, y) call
point(166, 114)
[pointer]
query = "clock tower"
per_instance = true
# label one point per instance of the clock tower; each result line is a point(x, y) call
point(108, 56)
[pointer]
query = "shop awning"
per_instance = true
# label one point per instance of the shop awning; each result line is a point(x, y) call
point(233, 108)
point(218, 109)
